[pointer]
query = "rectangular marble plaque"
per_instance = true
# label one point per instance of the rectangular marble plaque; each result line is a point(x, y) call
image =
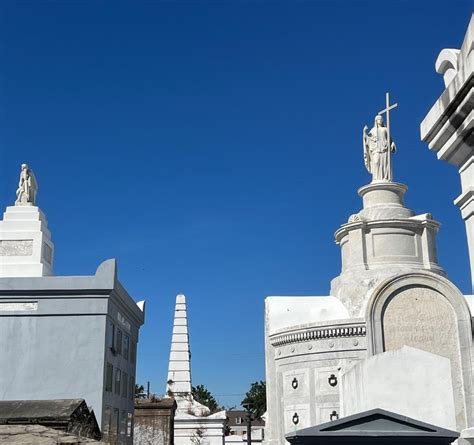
point(16, 247)
point(394, 244)
point(14, 307)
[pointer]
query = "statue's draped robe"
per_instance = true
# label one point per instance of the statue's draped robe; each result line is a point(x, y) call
point(378, 147)
point(27, 188)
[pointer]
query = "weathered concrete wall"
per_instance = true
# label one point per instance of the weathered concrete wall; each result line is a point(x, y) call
point(154, 422)
point(54, 355)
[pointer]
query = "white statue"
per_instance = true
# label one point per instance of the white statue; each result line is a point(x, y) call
point(378, 147)
point(27, 187)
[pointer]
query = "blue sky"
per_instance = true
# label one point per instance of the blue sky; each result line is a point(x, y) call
point(214, 148)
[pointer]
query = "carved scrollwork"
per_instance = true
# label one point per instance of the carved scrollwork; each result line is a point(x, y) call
point(354, 218)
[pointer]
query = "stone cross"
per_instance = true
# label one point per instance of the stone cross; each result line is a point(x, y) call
point(386, 110)
point(378, 146)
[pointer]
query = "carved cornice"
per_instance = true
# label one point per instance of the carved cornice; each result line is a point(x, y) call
point(412, 224)
point(319, 334)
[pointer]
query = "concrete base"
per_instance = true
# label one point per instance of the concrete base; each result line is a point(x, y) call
point(191, 430)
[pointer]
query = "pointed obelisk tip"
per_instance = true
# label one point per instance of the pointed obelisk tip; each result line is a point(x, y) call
point(180, 299)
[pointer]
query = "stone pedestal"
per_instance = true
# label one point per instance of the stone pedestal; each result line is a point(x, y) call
point(384, 239)
point(154, 422)
point(26, 249)
point(384, 201)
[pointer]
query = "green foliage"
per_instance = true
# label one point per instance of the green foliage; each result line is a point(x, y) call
point(257, 397)
point(203, 396)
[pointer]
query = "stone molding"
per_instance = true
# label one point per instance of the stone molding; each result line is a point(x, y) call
point(310, 334)
point(409, 223)
point(465, 203)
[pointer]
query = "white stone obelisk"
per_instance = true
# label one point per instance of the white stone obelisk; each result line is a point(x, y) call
point(193, 422)
point(179, 368)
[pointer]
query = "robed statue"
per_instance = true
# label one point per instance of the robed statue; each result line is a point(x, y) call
point(27, 187)
point(378, 147)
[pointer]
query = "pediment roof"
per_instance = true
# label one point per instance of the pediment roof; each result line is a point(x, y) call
point(374, 426)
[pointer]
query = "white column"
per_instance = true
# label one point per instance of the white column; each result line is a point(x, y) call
point(448, 126)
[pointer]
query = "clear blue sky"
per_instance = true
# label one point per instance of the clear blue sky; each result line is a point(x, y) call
point(213, 148)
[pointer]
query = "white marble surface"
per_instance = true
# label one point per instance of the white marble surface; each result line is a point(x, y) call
point(407, 381)
point(448, 126)
point(425, 311)
point(282, 311)
point(26, 248)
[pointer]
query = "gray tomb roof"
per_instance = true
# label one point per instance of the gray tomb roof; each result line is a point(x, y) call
point(71, 416)
point(39, 435)
point(370, 427)
point(35, 409)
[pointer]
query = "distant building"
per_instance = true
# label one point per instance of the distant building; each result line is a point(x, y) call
point(237, 428)
point(64, 337)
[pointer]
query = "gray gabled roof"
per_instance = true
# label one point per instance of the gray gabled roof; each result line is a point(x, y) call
point(374, 426)
point(33, 409)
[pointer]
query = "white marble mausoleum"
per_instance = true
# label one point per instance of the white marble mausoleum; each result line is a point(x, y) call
point(394, 333)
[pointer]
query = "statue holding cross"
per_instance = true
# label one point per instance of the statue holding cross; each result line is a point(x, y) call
point(379, 146)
